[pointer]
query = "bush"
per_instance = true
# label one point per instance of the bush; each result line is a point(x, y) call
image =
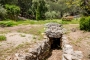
point(51, 15)
point(85, 23)
point(2, 37)
point(12, 11)
point(3, 12)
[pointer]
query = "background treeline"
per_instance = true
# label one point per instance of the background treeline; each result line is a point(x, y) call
point(42, 9)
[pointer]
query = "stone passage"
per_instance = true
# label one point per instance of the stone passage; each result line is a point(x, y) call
point(54, 33)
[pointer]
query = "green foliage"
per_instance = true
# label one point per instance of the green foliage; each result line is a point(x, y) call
point(3, 12)
point(7, 24)
point(2, 37)
point(48, 15)
point(39, 8)
point(12, 11)
point(42, 9)
point(51, 15)
point(25, 7)
point(73, 7)
point(85, 23)
point(3, 2)
point(85, 6)
point(38, 17)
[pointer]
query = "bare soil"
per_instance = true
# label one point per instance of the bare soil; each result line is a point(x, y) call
point(79, 39)
point(15, 40)
point(56, 55)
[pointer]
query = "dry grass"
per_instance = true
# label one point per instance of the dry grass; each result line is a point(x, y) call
point(36, 30)
point(79, 39)
point(12, 50)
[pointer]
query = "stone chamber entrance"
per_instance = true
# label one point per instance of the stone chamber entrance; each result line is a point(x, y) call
point(54, 33)
point(56, 51)
point(55, 43)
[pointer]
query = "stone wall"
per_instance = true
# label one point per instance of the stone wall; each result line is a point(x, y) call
point(39, 52)
point(68, 51)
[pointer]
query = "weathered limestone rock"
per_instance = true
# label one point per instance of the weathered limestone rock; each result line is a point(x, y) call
point(48, 25)
point(19, 56)
point(67, 49)
point(39, 52)
point(77, 55)
point(68, 52)
point(64, 41)
point(67, 57)
point(64, 30)
point(53, 30)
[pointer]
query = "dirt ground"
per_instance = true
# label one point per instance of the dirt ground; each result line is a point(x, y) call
point(56, 55)
point(15, 40)
point(80, 40)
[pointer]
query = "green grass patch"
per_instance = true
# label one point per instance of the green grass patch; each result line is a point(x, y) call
point(70, 22)
point(8, 23)
point(26, 22)
point(39, 22)
point(2, 37)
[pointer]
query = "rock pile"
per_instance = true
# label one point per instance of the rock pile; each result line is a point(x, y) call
point(68, 52)
point(39, 52)
point(53, 30)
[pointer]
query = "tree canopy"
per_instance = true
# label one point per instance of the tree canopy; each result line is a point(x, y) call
point(45, 9)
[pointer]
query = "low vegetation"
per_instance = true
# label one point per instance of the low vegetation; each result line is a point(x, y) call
point(2, 37)
point(85, 23)
point(75, 21)
point(9, 23)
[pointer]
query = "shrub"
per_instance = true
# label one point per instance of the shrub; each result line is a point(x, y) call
point(51, 15)
point(48, 15)
point(2, 37)
point(12, 11)
point(3, 12)
point(85, 23)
